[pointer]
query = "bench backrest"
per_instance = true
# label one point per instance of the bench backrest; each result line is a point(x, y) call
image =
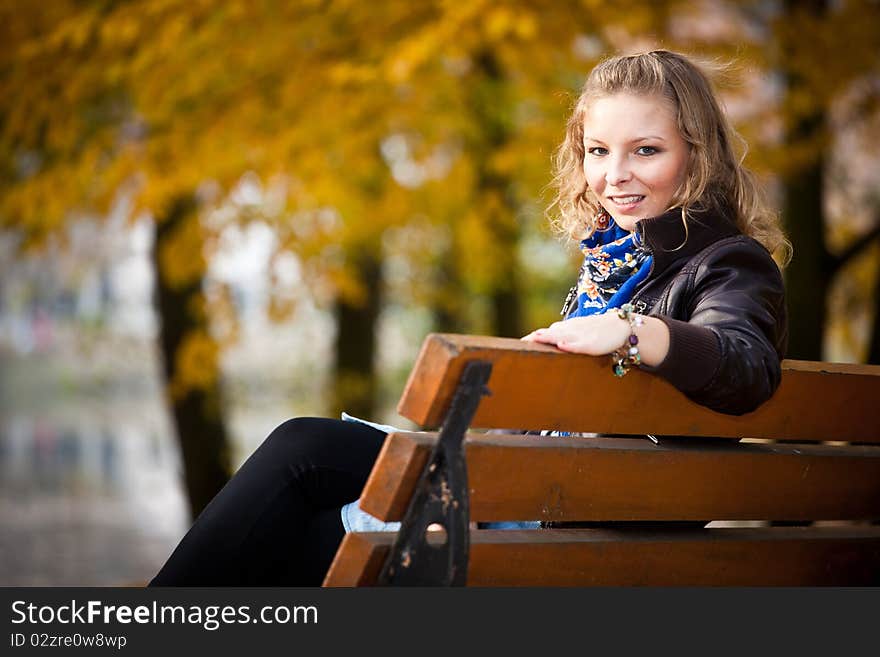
point(536, 386)
point(605, 479)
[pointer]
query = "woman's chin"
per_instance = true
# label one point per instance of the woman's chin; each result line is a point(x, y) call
point(627, 222)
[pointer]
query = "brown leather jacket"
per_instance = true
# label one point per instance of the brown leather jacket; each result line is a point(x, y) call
point(722, 297)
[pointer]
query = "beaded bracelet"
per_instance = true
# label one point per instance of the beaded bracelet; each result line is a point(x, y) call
point(627, 356)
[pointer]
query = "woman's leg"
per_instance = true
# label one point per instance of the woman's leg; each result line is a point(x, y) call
point(276, 522)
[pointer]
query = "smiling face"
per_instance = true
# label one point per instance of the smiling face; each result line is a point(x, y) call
point(635, 157)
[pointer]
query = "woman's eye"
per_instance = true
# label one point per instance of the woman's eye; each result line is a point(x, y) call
point(647, 150)
point(597, 150)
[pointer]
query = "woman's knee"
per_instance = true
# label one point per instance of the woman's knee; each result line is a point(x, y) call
point(298, 427)
point(323, 441)
point(297, 435)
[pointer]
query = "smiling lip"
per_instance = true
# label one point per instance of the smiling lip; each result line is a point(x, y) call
point(627, 200)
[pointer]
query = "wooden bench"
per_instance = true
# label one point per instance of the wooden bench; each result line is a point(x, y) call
point(809, 457)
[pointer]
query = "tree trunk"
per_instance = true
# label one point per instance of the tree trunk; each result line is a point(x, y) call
point(808, 277)
point(354, 381)
point(186, 345)
point(448, 307)
point(874, 343)
point(491, 107)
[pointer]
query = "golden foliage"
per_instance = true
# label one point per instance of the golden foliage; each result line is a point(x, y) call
point(196, 365)
point(158, 97)
point(181, 260)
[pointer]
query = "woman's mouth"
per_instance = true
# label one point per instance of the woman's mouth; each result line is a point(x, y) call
point(628, 201)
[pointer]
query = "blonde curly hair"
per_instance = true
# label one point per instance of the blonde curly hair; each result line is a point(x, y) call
point(716, 179)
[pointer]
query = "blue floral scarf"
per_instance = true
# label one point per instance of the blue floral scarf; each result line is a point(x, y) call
point(614, 264)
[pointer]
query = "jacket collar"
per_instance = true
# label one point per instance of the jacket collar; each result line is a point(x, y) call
point(665, 238)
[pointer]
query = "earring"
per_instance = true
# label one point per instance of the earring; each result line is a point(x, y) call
point(602, 220)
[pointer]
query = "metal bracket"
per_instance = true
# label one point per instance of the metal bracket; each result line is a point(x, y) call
point(441, 497)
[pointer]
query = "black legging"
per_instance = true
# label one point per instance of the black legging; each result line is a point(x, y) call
point(277, 522)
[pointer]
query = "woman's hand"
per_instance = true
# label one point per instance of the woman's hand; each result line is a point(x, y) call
point(597, 335)
point(594, 335)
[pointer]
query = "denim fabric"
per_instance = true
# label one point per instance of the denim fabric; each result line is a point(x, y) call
point(355, 519)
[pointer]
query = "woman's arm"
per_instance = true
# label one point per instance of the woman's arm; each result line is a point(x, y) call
point(726, 347)
point(597, 335)
point(725, 337)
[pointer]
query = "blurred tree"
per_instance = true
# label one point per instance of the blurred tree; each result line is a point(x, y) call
point(190, 355)
point(810, 36)
point(150, 100)
point(165, 102)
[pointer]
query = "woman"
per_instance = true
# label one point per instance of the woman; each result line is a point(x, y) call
point(648, 171)
point(677, 279)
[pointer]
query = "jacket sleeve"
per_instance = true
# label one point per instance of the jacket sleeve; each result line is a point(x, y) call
point(725, 354)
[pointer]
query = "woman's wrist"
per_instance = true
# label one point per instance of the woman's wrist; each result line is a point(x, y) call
point(627, 355)
point(652, 339)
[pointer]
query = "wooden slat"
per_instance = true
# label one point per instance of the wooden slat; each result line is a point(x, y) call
point(538, 387)
point(395, 474)
point(357, 561)
point(554, 478)
point(776, 556)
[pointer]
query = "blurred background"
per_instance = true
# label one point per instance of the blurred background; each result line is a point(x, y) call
point(219, 214)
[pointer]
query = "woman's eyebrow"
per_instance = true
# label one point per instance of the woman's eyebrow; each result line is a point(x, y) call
point(588, 138)
point(632, 141)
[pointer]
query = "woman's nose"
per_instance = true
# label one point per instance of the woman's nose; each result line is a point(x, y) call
point(618, 171)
